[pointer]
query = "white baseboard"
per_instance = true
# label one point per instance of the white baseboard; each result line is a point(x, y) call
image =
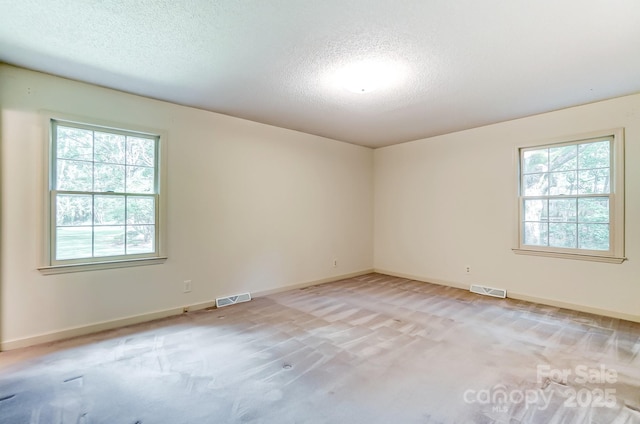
point(423, 279)
point(97, 327)
point(521, 296)
point(311, 283)
point(575, 307)
point(138, 319)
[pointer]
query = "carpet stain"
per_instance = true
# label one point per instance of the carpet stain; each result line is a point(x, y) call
point(3, 398)
point(68, 380)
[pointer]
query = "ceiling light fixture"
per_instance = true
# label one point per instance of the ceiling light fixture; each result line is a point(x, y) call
point(369, 75)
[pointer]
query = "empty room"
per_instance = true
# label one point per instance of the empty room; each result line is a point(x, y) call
point(292, 211)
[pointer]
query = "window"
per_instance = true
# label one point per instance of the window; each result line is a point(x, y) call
point(571, 198)
point(104, 196)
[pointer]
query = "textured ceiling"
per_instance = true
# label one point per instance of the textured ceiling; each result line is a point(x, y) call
point(457, 64)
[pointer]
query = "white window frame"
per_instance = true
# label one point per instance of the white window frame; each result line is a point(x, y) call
point(53, 266)
point(615, 254)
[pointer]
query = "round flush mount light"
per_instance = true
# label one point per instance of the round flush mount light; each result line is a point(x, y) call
point(360, 77)
point(366, 76)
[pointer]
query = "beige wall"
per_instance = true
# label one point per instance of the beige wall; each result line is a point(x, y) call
point(448, 202)
point(251, 207)
point(255, 208)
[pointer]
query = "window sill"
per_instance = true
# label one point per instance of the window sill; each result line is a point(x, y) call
point(547, 254)
point(95, 266)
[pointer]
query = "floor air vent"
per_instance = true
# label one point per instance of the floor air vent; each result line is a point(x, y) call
point(488, 291)
point(232, 300)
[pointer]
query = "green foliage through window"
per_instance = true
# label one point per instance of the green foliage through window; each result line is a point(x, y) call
point(565, 193)
point(104, 193)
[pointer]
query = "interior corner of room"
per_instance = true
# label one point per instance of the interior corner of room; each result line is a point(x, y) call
point(359, 211)
point(256, 208)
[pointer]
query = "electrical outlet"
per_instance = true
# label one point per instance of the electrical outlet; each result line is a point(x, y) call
point(187, 286)
point(335, 263)
point(467, 269)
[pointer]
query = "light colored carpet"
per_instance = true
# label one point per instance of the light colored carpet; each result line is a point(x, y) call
point(371, 349)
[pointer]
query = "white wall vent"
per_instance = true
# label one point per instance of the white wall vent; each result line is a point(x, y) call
point(232, 300)
point(488, 291)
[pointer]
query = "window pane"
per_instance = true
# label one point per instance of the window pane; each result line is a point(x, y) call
point(109, 178)
point(593, 210)
point(109, 210)
point(535, 210)
point(140, 238)
point(562, 210)
point(74, 175)
point(593, 236)
point(593, 181)
point(112, 205)
point(73, 242)
point(594, 155)
point(109, 241)
point(109, 148)
point(535, 185)
point(563, 158)
point(140, 210)
point(535, 161)
point(140, 179)
point(536, 234)
point(567, 192)
point(73, 210)
point(562, 235)
point(141, 151)
point(74, 143)
point(562, 183)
